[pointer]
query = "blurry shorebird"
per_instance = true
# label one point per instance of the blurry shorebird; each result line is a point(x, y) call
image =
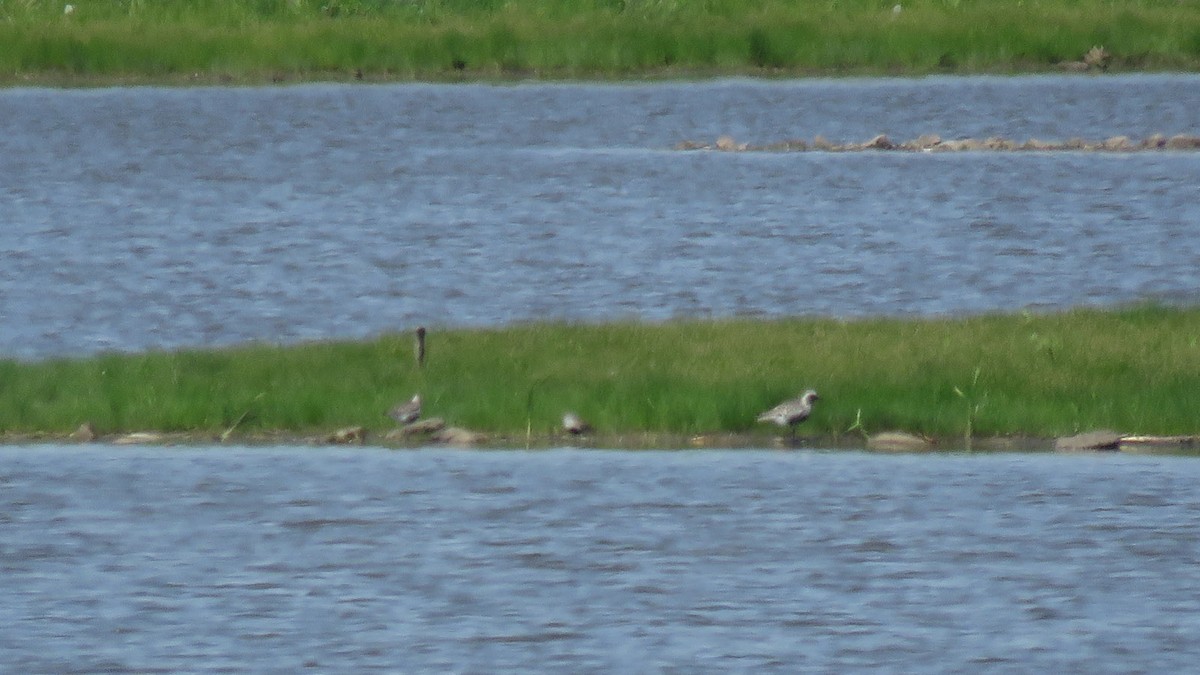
point(419, 347)
point(791, 412)
point(573, 424)
point(407, 413)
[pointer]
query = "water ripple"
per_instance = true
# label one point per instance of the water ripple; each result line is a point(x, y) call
point(144, 218)
point(211, 559)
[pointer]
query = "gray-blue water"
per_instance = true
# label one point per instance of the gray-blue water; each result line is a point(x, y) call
point(259, 560)
point(143, 218)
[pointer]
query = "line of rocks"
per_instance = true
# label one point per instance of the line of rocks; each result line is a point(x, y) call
point(431, 431)
point(1103, 439)
point(935, 143)
point(435, 431)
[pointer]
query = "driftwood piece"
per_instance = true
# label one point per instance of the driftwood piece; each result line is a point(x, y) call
point(1160, 441)
point(139, 437)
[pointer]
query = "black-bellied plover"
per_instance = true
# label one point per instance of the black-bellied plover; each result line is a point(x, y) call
point(407, 413)
point(573, 424)
point(791, 412)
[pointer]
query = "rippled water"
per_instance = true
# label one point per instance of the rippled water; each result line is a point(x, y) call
point(277, 560)
point(136, 218)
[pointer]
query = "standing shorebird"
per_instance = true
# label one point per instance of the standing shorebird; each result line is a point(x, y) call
point(573, 424)
point(792, 412)
point(407, 413)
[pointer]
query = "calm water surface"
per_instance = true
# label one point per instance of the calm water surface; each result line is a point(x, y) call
point(139, 218)
point(282, 560)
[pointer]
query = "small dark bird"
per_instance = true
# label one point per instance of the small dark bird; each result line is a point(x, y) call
point(791, 412)
point(419, 347)
point(573, 424)
point(407, 413)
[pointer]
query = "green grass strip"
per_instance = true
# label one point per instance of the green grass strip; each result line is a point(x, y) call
point(1136, 370)
point(254, 40)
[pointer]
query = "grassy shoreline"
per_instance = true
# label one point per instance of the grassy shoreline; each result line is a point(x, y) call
point(1135, 370)
point(249, 42)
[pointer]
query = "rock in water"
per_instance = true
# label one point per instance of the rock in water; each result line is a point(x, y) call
point(1092, 440)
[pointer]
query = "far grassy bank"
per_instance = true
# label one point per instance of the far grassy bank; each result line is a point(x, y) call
point(1135, 370)
point(252, 41)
